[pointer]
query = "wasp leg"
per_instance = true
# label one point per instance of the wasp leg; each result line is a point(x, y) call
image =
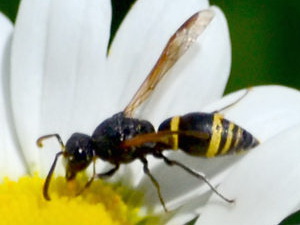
point(233, 103)
point(108, 173)
point(99, 175)
point(195, 174)
point(154, 182)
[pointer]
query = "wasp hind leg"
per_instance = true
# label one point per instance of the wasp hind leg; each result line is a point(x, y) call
point(154, 182)
point(235, 102)
point(170, 162)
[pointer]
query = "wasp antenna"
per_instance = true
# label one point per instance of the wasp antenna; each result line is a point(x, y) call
point(47, 181)
point(42, 138)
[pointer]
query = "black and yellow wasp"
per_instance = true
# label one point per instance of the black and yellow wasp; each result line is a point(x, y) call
point(122, 138)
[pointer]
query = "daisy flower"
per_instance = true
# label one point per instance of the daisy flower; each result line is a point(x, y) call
point(58, 78)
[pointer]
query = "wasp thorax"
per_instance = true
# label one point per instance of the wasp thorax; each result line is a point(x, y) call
point(109, 135)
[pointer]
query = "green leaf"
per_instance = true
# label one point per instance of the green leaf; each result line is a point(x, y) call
point(10, 8)
point(119, 11)
point(293, 219)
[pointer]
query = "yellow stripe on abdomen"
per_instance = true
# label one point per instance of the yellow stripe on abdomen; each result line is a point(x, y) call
point(215, 136)
point(238, 137)
point(174, 126)
point(228, 139)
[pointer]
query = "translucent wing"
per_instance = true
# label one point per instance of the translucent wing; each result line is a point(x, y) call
point(177, 45)
point(164, 137)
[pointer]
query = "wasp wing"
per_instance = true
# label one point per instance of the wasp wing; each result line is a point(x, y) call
point(163, 137)
point(177, 45)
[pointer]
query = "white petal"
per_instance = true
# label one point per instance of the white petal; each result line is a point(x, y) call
point(58, 69)
point(11, 163)
point(265, 185)
point(265, 111)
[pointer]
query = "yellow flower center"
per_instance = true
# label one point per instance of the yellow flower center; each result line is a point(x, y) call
point(22, 202)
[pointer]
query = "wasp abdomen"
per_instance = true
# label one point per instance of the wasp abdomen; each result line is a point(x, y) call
point(217, 136)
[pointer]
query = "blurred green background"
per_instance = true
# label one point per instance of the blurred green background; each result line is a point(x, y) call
point(265, 39)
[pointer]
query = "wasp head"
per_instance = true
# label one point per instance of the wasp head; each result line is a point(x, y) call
point(78, 154)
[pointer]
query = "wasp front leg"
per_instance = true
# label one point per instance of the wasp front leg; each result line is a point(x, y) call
point(99, 175)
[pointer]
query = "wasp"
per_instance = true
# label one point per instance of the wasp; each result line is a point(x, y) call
point(122, 138)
